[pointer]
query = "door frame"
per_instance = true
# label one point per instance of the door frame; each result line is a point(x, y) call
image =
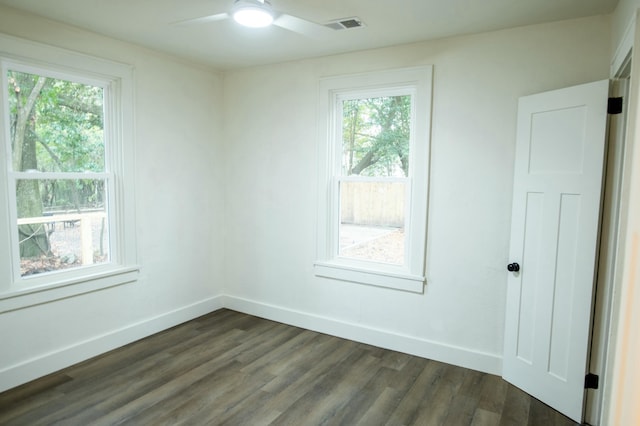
point(621, 389)
point(609, 259)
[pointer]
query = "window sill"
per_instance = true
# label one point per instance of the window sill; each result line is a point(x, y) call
point(397, 281)
point(55, 290)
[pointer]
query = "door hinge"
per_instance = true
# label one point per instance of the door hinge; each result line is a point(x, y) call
point(591, 381)
point(614, 106)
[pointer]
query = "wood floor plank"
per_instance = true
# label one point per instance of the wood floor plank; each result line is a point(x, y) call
point(538, 414)
point(361, 401)
point(29, 397)
point(342, 401)
point(152, 371)
point(225, 361)
point(172, 389)
point(291, 385)
point(397, 387)
point(395, 360)
point(441, 398)
point(461, 411)
point(121, 357)
point(466, 399)
point(516, 408)
point(215, 411)
point(378, 413)
point(228, 368)
point(82, 397)
point(493, 393)
point(485, 418)
point(29, 390)
point(284, 351)
point(318, 347)
point(246, 412)
point(420, 393)
point(320, 402)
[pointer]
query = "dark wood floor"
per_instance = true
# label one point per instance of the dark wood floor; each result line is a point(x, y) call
point(235, 369)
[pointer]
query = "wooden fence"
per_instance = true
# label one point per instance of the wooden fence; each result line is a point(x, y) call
point(372, 203)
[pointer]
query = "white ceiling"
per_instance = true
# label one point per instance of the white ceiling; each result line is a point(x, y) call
point(226, 45)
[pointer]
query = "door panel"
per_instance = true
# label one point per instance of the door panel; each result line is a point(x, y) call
point(558, 132)
point(527, 299)
point(556, 203)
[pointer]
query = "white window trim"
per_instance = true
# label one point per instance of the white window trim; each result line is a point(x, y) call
point(18, 292)
point(418, 82)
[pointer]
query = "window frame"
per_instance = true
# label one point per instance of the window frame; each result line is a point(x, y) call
point(117, 82)
point(417, 82)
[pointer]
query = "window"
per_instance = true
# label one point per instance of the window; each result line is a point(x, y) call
point(58, 173)
point(67, 178)
point(373, 197)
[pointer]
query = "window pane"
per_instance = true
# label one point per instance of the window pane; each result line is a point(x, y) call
point(62, 224)
point(56, 125)
point(375, 136)
point(372, 216)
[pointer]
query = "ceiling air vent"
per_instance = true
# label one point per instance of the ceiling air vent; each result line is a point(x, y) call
point(344, 24)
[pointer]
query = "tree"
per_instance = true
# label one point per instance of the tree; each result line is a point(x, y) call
point(25, 90)
point(376, 136)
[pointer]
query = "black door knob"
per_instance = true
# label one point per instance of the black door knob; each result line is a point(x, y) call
point(513, 267)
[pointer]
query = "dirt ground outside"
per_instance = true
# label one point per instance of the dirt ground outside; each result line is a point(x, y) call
point(66, 248)
point(373, 243)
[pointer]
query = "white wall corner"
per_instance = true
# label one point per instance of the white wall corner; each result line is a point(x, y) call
point(40, 366)
point(463, 357)
point(623, 48)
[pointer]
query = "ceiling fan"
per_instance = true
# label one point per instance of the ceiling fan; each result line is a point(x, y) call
point(260, 13)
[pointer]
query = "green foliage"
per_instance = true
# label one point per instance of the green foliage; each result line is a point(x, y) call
point(56, 126)
point(69, 127)
point(376, 136)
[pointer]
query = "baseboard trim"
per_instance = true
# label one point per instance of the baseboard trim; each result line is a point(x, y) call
point(32, 369)
point(43, 365)
point(484, 362)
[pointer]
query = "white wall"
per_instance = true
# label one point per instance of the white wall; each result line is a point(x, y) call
point(271, 192)
point(623, 22)
point(179, 210)
point(622, 19)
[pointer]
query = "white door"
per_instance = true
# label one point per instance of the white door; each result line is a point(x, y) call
point(554, 238)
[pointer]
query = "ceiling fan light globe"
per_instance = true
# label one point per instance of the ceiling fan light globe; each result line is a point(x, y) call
point(252, 13)
point(253, 17)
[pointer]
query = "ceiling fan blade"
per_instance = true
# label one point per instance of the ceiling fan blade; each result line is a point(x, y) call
point(302, 26)
point(203, 19)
